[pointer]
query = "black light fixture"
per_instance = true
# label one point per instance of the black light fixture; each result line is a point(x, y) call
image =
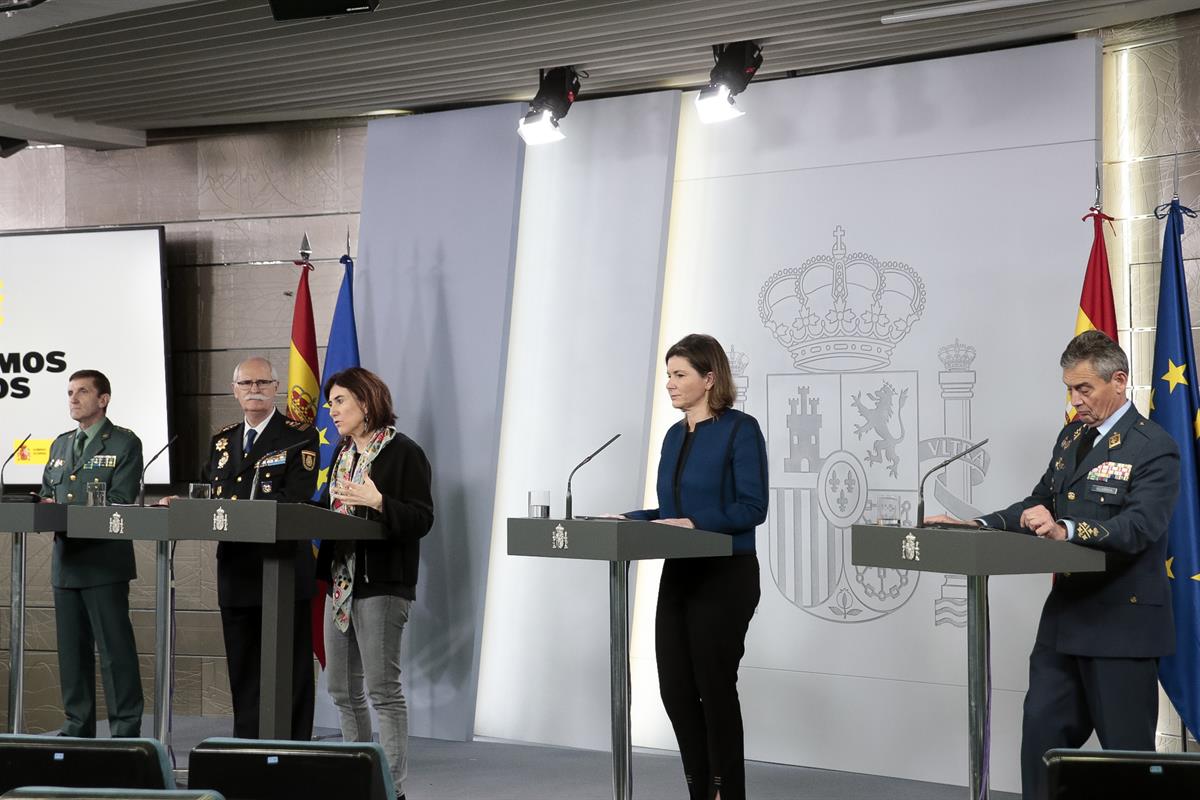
point(283, 10)
point(10, 146)
point(557, 90)
point(736, 65)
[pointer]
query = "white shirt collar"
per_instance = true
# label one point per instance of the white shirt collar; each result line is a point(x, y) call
point(1104, 427)
point(259, 428)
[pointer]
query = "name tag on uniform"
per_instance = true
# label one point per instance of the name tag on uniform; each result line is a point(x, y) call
point(1110, 469)
point(273, 461)
point(101, 461)
point(1105, 489)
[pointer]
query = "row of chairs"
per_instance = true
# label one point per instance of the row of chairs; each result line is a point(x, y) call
point(218, 769)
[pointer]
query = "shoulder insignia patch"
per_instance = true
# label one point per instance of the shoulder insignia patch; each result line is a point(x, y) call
point(297, 424)
point(228, 428)
point(309, 459)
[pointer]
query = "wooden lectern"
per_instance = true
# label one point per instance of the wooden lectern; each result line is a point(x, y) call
point(976, 554)
point(280, 527)
point(20, 519)
point(617, 541)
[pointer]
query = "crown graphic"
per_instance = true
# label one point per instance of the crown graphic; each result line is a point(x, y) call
point(842, 312)
point(738, 362)
point(956, 357)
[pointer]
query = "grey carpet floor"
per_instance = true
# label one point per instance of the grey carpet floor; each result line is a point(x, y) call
point(490, 770)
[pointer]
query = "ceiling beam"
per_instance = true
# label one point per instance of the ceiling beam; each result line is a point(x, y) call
point(19, 123)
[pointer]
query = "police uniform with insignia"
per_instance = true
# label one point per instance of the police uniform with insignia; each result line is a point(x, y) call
point(91, 579)
point(1094, 662)
point(291, 477)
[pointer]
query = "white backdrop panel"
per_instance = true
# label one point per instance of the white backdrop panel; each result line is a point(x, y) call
point(580, 364)
point(850, 669)
point(81, 300)
point(431, 297)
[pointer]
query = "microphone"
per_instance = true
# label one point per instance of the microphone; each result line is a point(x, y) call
point(921, 485)
point(141, 501)
point(258, 465)
point(11, 456)
point(580, 464)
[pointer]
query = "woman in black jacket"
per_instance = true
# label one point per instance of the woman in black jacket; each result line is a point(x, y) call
point(380, 474)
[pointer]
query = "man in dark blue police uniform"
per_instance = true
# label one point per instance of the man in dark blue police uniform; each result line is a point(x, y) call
point(1111, 485)
point(284, 452)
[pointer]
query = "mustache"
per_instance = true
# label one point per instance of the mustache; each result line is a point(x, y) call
point(258, 396)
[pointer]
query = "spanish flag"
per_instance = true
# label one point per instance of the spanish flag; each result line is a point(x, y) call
point(1097, 311)
point(303, 383)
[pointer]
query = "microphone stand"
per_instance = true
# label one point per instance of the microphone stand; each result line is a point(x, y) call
point(580, 464)
point(16, 615)
point(946, 463)
point(11, 456)
point(141, 498)
point(164, 619)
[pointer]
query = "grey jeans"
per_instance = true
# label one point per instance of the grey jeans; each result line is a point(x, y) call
point(370, 649)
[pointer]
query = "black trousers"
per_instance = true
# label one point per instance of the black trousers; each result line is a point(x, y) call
point(704, 610)
point(1070, 696)
point(242, 629)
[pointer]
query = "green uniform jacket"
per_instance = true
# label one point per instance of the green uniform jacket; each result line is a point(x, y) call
point(114, 455)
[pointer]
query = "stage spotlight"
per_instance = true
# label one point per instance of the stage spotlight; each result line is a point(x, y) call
point(735, 68)
point(556, 92)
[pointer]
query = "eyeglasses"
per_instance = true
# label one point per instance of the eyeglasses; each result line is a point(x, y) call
point(255, 384)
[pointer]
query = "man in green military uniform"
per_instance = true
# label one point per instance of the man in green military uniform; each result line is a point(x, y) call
point(91, 577)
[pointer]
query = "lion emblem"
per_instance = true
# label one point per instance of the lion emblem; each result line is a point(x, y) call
point(877, 420)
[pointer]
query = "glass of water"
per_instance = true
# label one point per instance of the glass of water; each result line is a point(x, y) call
point(199, 491)
point(888, 507)
point(539, 504)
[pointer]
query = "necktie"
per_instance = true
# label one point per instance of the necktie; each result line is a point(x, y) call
point(80, 443)
point(251, 435)
point(1085, 445)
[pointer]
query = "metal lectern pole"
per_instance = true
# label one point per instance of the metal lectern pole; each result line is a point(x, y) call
point(162, 644)
point(978, 683)
point(16, 637)
point(618, 618)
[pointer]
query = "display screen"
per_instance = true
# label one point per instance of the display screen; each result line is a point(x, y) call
point(81, 300)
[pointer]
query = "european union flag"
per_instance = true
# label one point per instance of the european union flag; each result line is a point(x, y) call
point(341, 354)
point(1175, 405)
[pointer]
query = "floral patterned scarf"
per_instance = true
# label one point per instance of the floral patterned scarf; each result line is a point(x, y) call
point(347, 470)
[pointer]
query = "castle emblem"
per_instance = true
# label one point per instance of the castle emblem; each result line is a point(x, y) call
point(849, 440)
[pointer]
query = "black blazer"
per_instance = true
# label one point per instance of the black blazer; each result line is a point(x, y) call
point(239, 564)
point(1120, 498)
point(403, 476)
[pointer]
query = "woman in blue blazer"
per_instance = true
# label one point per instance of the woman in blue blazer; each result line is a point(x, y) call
point(712, 475)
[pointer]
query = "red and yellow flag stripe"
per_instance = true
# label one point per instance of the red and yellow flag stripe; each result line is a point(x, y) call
point(303, 381)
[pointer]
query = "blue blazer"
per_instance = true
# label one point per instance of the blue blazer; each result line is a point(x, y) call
point(1120, 498)
point(722, 477)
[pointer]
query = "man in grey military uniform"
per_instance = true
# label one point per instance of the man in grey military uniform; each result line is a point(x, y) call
point(1111, 485)
point(91, 577)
